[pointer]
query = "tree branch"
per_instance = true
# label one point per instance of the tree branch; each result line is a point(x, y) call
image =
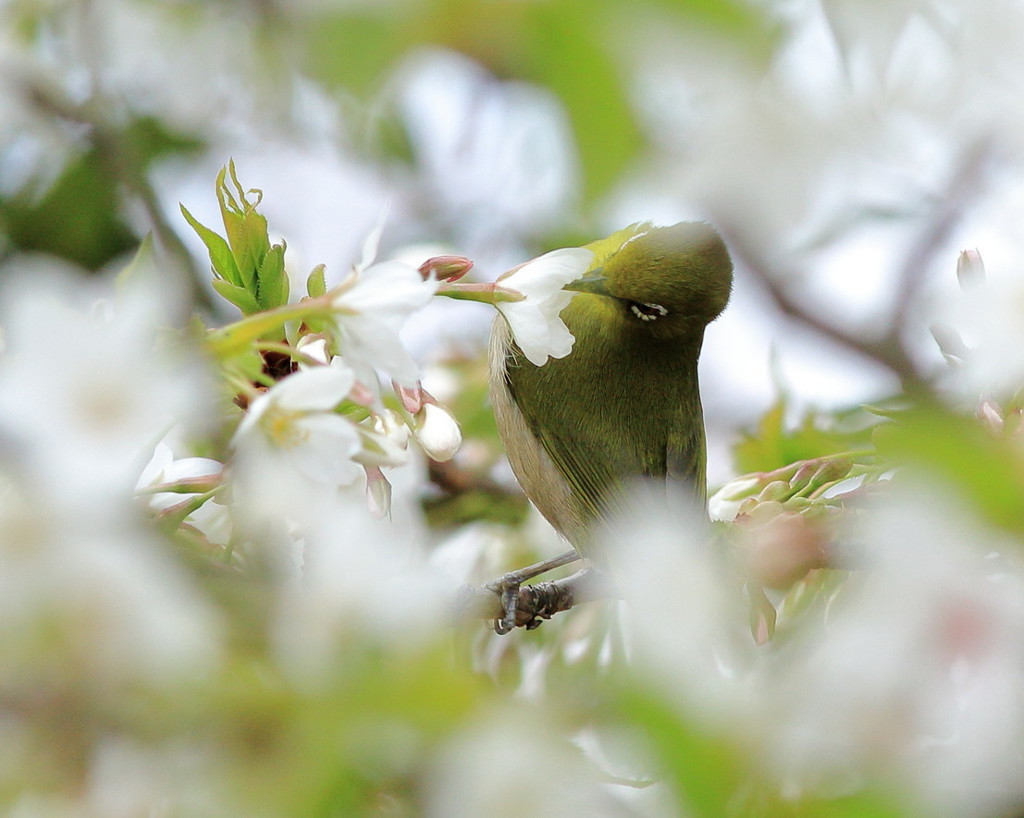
point(536, 602)
point(124, 166)
point(543, 600)
point(887, 347)
point(887, 350)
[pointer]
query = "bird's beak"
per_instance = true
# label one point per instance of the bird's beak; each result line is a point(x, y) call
point(594, 283)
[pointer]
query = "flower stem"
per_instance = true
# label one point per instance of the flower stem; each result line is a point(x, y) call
point(235, 338)
point(485, 292)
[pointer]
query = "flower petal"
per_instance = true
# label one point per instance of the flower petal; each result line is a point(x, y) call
point(318, 388)
point(534, 322)
point(373, 342)
point(325, 456)
point(391, 288)
point(550, 272)
point(537, 336)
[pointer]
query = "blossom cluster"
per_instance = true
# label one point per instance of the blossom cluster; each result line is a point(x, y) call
point(311, 372)
point(143, 466)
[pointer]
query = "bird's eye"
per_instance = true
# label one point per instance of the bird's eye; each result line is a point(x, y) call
point(647, 312)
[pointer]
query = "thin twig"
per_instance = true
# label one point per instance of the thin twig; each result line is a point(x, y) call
point(883, 350)
point(964, 184)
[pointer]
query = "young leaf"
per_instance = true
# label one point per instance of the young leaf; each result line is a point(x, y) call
point(239, 296)
point(316, 284)
point(246, 229)
point(272, 279)
point(774, 443)
point(943, 444)
point(221, 259)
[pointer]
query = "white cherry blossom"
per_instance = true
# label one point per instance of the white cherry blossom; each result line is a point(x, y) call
point(534, 322)
point(294, 424)
point(85, 386)
point(371, 306)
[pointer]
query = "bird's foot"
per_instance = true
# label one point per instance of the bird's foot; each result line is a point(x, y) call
point(508, 588)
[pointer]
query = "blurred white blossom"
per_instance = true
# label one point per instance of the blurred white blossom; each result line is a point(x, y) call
point(988, 316)
point(360, 576)
point(687, 616)
point(85, 387)
point(130, 777)
point(496, 158)
point(100, 605)
point(514, 760)
point(534, 321)
point(919, 671)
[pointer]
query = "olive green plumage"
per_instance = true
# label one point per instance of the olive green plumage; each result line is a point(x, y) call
point(625, 402)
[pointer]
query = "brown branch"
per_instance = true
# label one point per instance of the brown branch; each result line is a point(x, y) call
point(886, 350)
point(453, 478)
point(887, 347)
point(536, 602)
point(543, 600)
point(122, 163)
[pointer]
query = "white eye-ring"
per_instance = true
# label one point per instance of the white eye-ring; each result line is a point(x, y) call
point(647, 312)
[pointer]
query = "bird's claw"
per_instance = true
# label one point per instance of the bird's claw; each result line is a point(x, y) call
point(509, 586)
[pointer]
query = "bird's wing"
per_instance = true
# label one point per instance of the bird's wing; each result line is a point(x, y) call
point(563, 477)
point(587, 456)
point(685, 463)
point(587, 474)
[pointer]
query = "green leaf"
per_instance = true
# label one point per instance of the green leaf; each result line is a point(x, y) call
point(706, 770)
point(316, 284)
point(221, 259)
point(239, 296)
point(142, 259)
point(772, 444)
point(354, 48)
point(78, 217)
point(76, 211)
point(867, 804)
point(569, 52)
point(246, 229)
point(984, 467)
point(272, 280)
point(147, 138)
point(745, 24)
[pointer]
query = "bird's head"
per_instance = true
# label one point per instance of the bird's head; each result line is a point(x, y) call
point(668, 281)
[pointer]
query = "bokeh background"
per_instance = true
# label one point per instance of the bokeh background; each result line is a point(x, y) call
point(847, 150)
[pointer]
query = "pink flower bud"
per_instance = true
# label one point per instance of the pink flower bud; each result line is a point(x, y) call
point(446, 268)
point(412, 398)
point(970, 269)
point(378, 492)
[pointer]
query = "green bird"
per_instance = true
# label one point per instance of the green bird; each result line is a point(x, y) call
point(625, 403)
